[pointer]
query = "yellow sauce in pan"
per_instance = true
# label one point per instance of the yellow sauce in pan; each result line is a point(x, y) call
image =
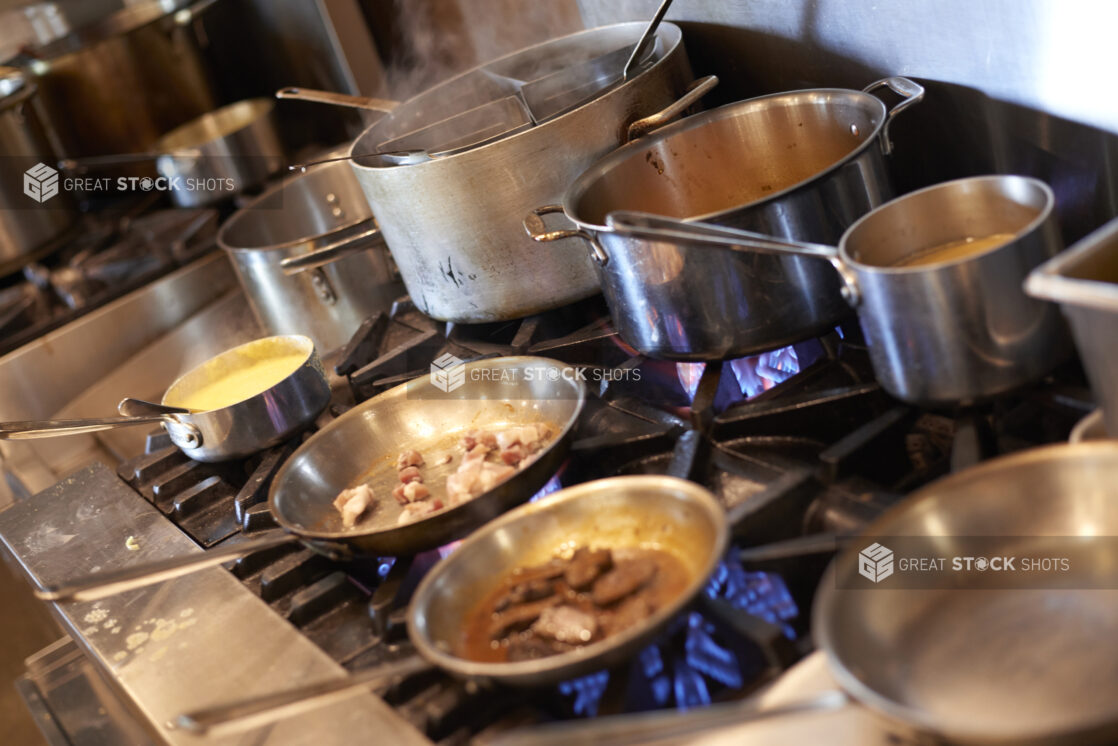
point(952, 250)
point(239, 384)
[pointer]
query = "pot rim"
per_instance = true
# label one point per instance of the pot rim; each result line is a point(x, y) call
point(674, 38)
point(332, 234)
point(256, 111)
point(727, 111)
point(1032, 226)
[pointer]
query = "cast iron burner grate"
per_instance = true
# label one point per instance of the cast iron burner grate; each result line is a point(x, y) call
point(822, 451)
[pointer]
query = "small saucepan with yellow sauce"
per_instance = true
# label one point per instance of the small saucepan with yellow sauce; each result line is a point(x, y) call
point(936, 277)
point(242, 401)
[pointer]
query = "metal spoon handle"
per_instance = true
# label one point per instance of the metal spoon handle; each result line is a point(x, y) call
point(338, 99)
point(30, 429)
point(102, 584)
point(646, 37)
point(257, 711)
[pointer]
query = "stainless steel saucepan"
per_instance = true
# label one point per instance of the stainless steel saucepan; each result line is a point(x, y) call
point(948, 332)
point(802, 165)
point(361, 447)
point(666, 513)
point(967, 660)
point(229, 432)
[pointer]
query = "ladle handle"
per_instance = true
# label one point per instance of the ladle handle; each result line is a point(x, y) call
point(690, 97)
point(32, 429)
point(649, 35)
point(382, 105)
point(257, 711)
point(103, 584)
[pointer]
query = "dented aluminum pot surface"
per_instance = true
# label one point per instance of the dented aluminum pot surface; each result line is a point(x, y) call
point(802, 165)
point(453, 222)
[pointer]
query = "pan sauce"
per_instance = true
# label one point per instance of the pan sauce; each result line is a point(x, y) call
point(669, 581)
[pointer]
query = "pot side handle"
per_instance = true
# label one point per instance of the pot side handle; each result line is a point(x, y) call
point(538, 231)
point(331, 253)
point(909, 90)
point(694, 92)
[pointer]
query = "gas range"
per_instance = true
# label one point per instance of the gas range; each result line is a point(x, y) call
point(107, 254)
point(795, 442)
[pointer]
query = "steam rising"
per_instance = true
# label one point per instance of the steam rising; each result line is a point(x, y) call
point(441, 38)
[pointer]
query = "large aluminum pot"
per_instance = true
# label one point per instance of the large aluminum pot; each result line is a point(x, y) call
point(234, 148)
point(1084, 281)
point(948, 329)
point(35, 209)
point(116, 86)
point(453, 222)
point(801, 165)
point(310, 258)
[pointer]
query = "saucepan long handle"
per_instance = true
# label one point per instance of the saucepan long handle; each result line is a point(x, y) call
point(658, 727)
point(30, 429)
point(660, 228)
point(257, 711)
point(103, 584)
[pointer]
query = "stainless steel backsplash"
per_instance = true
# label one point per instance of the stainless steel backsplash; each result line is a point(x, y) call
point(1014, 86)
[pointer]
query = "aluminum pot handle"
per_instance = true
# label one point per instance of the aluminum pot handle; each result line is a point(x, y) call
point(909, 90)
point(382, 105)
point(659, 228)
point(694, 92)
point(537, 229)
point(331, 253)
